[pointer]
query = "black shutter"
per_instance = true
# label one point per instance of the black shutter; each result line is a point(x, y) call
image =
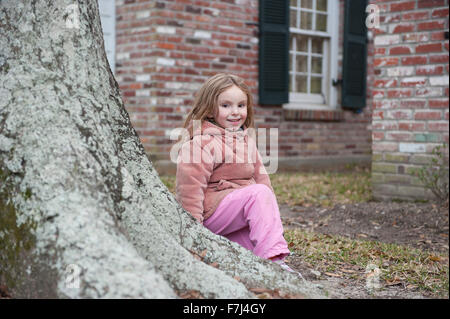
point(355, 55)
point(273, 51)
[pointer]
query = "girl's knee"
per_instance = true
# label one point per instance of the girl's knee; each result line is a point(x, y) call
point(262, 189)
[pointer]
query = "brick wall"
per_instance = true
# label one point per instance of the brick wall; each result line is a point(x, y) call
point(166, 49)
point(410, 93)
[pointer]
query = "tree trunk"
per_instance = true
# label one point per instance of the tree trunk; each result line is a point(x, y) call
point(82, 211)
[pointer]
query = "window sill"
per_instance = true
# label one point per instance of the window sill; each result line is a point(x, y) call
point(313, 113)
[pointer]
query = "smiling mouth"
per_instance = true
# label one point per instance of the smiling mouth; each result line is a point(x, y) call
point(237, 120)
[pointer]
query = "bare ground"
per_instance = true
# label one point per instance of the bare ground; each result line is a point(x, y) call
point(419, 225)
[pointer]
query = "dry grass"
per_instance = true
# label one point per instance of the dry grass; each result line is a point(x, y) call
point(322, 189)
point(400, 265)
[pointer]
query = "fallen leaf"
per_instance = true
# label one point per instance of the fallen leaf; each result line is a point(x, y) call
point(349, 271)
point(259, 290)
point(332, 275)
point(434, 258)
point(393, 283)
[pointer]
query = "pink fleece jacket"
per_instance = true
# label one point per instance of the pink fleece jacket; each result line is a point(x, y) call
point(212, 164)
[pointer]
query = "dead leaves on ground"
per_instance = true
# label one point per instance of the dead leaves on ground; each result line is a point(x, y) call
point(263, 293)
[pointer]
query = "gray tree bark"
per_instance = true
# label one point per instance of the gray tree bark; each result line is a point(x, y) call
point(83, 213)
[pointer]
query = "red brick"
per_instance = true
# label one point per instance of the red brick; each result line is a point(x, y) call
point(416, 37)
point(400, 93)
point(429, 91)
point(403, 6)
point(430, 3)
point(399, 136)
point(429, 69)
point(400, 28)
point(433, 25)
point(400, 50)
point(438, 36)
point(164, 45)
point(378, 115)
point(400, 115)
point(129, 93)
point(412, 104)
point(385, 83)
point(135, 86)
point(438, 104)
point(431, 115)
point(377, 94)
point(421, 15)
point(411, 126)
point(380, 51)
point(406, 82)
point(385, 147)
point(425, 48)
point(413, 60)
point(219, 51)
point(439, 58)
point(385, 62)
point(438, 126)
point(440, 13)
point(377, 136)
point(227, 44)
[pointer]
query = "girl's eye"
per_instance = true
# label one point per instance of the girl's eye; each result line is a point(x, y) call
point(224, 105)
point(242, 105)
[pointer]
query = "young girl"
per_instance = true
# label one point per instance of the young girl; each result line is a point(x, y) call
point(218, 182)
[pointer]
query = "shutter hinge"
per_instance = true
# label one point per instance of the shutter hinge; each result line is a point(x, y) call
point(336, 82)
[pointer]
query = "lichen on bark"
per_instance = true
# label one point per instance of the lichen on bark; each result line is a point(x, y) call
point(81, 186)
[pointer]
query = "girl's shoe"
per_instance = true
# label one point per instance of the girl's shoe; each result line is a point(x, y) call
point(286, 267)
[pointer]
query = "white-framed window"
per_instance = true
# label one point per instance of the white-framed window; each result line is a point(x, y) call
point(313, 54)
point(107, 9)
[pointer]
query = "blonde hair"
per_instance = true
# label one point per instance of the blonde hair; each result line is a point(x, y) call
point(205, 102)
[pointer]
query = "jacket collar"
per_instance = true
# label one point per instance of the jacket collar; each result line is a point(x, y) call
point(211, 128)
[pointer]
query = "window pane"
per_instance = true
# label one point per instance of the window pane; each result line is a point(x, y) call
point(307, 4)
point(321, 5)
point(293, 18)
point(306, 20)
point(317, 45)
point(302, 43)
point(293, 3)
point(316, 65)
point(316, 85)
point(321, 22)
point(302, 63)
point(301, 83)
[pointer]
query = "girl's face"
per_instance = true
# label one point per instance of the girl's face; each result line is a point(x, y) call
point(232, 108)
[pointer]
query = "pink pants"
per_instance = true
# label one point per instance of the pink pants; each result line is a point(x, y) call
point(250, 217)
